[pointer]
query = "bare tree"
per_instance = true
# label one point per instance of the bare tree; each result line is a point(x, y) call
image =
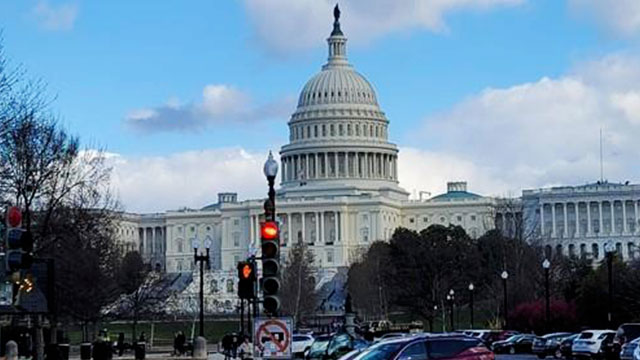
point(298, 284)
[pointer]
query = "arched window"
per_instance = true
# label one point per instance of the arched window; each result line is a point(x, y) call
point(583, 250)
point(631, 249)
point(180, 245)
point(229, 285)
point(572, 250)
point(595, 251)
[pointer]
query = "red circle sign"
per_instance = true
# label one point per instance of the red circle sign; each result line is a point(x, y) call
point(282, 346)
point(14, 216)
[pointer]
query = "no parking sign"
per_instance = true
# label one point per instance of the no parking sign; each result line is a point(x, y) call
point(272, 338)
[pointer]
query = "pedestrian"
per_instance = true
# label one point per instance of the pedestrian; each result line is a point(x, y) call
point(244, 350)
point(181, 342)
point(227, 344)
point(100, 351)
point(175, 344)
point(142, 338)
point(120, 344)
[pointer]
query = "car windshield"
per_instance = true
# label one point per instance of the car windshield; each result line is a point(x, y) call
point(319, 347)
point(300, 338)
point(604, 335)
point(382, 351)
point(586, 335)
point(629, 331)
point(513, 338)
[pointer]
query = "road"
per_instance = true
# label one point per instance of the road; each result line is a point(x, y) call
point(517, 357)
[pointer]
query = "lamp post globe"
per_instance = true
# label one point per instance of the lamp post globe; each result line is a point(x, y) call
point(451, 292)
point(471, 287)
point(609, 250)
point(270, 167)
point(504, 275)
point(195, 244)
point(546, 264)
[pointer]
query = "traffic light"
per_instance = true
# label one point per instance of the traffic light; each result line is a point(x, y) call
point(270, 266)
point(246, 280)
point(18, 243)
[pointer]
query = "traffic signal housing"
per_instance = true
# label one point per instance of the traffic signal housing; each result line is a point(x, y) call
point(246, 280)
point(270, 236)
point(18, 243)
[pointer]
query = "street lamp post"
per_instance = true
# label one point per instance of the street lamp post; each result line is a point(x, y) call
point(547, 311)
point(451, 298)
point(505, 276)
point(471, 288)
point(609, 251)
point(202, 259)
point(270, 171)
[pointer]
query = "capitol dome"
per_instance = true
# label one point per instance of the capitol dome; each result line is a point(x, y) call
point(337, 85)
point(338, 141)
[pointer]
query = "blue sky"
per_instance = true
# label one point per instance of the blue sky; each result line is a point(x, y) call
point(435, 66)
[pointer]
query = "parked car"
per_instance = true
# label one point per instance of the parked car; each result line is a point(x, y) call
point(318, 348)
point(300, 343)
point(549, 344)
point(334, 346)
point(514, 344)
point(624, 334)
point(628, 349)
point(422, 347)
point(491, 336)
point(592, 343)
point(565, 346)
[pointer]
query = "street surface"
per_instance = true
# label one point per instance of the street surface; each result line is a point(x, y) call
point(518, 357)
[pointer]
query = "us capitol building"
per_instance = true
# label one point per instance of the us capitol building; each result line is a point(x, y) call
point(339, 193)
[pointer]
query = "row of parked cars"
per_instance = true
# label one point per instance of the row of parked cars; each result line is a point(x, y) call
point(622, 344)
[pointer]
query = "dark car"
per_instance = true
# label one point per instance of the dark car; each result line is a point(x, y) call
point(624, 334)
point(566, 344)
point(334, 346)
point(489, 337)
point(422, 347)
point(515, 344)
point(626, 353)
point(549, 345)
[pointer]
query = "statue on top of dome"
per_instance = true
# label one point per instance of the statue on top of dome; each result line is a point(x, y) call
point(336, 22)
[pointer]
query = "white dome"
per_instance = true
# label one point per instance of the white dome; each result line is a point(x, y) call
point(337, 85)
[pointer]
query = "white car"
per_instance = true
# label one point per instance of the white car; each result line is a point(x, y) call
point(300, 343)
point(590, 342)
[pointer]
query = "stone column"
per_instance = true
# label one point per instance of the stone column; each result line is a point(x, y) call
point(289, 221)
point(356, 164)
point(553, 220)
point(316, 173)
point(346, 164)
point(252, 229)
point(589, 218)
point(635, 216)
point(322, 236)
point(624, 217)
point(317, 216)
point(613, 217)
point(577, 210)
point(304, 233)
point(566, 220)
point(600, 216)
point(336, 170)
point(336, 228)
point(542, 234)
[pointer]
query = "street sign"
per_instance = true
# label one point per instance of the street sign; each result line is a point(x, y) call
point(272, 338)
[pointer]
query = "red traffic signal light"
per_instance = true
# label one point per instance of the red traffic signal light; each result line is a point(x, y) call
point(269, 230)
point(14, 216)
point(246, 271)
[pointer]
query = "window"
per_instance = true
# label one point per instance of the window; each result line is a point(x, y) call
point(331, 130)
point(179, 265)
point(414, 351)
point(595, 251)
point(442, 219)
point(230, 282)
point(425, 219)
point(340, 130)
point(180, 246)
point(330, 257)
point(208, 228)
point(473, 218)
point(459, 218)
point(236, 239)
point(324, 130)
point(236, 222)
point(448, 348)
point(315, 131)
point(193, 229)
point(412, 220)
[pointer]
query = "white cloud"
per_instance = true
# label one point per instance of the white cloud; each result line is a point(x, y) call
point(540, 133)
point(56, 17)
point(191, 179)
point(621, 16)
point(290, 25)
point(220, 103)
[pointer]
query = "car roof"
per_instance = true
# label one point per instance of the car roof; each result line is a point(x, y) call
point(598, 331)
